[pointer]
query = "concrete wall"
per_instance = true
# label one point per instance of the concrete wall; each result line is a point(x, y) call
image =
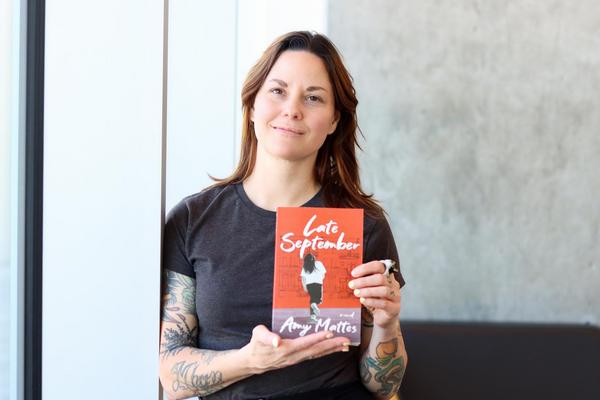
point(482, 126)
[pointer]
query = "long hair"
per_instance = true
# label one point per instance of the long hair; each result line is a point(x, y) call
point(309, 263)
point(336, 166)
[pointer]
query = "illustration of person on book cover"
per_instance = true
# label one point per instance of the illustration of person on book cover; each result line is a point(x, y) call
point(313, 275)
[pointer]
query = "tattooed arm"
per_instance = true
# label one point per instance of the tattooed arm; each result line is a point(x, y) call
point(384, 358)
point(186, 371)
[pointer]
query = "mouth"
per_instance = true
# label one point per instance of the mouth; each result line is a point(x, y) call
point(287, 130)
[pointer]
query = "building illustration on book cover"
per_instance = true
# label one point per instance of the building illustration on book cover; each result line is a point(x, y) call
point(315, 250)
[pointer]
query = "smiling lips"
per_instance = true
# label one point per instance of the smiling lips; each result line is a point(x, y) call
point(287, 130)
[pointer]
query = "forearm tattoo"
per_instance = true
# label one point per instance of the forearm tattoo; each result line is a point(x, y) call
point(179, 308)
point(386, 369)
point(177, 338)
point(200, 384)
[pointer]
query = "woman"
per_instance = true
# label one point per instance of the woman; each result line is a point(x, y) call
point(312, 275)
point(299, 141)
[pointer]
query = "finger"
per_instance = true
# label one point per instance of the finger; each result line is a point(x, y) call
point(373, 281)
point(265, 336)
point(373, 267)
point(391, 307)
point(325, 347)
point(368, 281)
point(304, 342)
point(383, 292)
point(344, 347)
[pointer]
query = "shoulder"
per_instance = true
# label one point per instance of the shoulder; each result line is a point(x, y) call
point(207, 196)
point(379, 240)
point(376, 226)
point(199, 201)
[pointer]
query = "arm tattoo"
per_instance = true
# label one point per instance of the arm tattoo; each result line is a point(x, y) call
point(178, 288)
point(179, 304)
point(384, 368)
point(186, 378)
point(176, 339)
point(179, 308)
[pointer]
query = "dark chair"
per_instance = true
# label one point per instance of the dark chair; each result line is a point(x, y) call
point(460, 360)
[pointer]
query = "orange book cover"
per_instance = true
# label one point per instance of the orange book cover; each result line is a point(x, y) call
point(315, 250)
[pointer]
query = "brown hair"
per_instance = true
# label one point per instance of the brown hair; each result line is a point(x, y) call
point(336, 167)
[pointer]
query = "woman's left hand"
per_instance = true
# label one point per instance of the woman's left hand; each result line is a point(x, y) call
point(378, 292)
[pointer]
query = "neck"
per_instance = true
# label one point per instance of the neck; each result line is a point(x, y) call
point(281, 183)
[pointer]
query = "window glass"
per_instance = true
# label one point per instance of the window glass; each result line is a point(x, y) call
point(6, 121)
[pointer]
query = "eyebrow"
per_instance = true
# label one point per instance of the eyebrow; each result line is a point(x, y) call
point(308, 89)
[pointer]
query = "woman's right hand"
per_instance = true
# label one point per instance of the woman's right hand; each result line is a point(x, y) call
point(267, 351)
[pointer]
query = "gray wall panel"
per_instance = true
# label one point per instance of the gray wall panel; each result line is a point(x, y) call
point(482, 126)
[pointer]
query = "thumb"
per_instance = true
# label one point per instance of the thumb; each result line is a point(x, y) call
point(265, 336)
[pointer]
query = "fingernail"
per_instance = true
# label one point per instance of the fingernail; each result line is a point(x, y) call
point(275, 342)
point(329, 335)
point(356, 292)
point(351, 284)
point(345, 349)
point(353, 272)
point(362, 300)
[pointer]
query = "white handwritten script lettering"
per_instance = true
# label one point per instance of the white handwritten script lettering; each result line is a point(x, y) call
point(289, 243)
point(290, 325)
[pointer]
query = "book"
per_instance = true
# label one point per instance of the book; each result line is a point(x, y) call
point(315, 251)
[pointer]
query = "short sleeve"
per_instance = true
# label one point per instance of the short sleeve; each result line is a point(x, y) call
point(380, 245)
point(174, 241)
point(321, 267)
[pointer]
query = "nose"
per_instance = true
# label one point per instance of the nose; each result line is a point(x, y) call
point(292, 109)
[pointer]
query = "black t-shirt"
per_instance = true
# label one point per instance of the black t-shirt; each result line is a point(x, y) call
point(227, 244)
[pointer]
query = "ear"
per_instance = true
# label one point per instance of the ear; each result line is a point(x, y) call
point(334, 122)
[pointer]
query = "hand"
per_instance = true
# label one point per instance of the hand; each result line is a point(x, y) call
point(378, 292)
point(267, 351)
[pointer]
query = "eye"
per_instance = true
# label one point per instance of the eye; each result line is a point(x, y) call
point(314, 99)
point(276, 91)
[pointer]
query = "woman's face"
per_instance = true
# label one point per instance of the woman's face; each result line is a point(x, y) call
point(294, 109)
